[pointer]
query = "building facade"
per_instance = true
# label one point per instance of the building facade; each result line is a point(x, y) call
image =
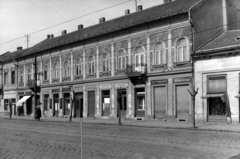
point(141, 60)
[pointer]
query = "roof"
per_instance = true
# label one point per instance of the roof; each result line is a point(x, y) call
point(223, 41)
point(133, 19)
point(11, 55)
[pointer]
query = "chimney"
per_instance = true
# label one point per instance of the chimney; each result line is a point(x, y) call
point(64, 32)
point(127, 12)
point(140, 8)
point(52, 36)
point(48, 36)
point(80, 27)
point(101, 20)
point(19, 48)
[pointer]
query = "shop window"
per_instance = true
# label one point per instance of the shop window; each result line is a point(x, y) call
point(91, 65)
point(182, 50)
point(106, 62)
point(45, 102)
point(55, 70)
point(160, 55)
point(13, 77)
point(122, 60)
point(66, 69)
point(78, 67)
point(217, 84)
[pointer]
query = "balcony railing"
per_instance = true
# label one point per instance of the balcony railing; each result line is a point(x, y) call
point(138, 69)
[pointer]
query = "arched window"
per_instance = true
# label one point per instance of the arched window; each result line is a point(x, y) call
point(66, 69)
point(182, 50)
point(91, 64)
point(160, 56)
point(78, 67)
point(105, 62)
point(55, 70)
point(122, 60)
point(45, 72)
point(21, 76)
point(139, 57)
point(29, 74)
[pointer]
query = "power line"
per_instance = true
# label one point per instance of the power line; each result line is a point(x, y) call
point(67, 21)
point(99, 11)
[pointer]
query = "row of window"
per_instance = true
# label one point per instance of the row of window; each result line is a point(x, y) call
point(159, 58)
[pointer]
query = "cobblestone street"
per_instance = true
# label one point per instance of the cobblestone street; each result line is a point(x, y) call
point(48, 140)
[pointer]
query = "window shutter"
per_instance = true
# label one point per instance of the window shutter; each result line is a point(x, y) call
point(95, 67)
point(151, 59)
point(86, 68)
point(100, 66)
point(115, 63)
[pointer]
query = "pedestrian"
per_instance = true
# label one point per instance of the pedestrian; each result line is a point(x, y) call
point(38, 113)
point(10, 109)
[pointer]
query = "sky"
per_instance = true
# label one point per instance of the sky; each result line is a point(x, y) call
point(19, 18)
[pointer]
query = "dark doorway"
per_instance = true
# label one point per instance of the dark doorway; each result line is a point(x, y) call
point(29, 105)
point(123, 102)
point(13, 101)
point(56, 105)
point(106, 102)
point(140, 102)
point(67, 104)
point(78, 104)
point(45, 103)
point(216, 110)
point(91, 103)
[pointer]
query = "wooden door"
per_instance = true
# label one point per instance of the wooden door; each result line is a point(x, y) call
point(123, 106)
point(91, 103)
point(78, 103)
point(182, 101)
point(160, 102)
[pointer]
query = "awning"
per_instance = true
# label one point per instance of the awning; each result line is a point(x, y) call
point(211, 96)
point(23, 99)
point(238, 96)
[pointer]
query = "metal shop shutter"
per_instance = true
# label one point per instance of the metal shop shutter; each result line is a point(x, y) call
point(160, 101)
point(182, 97)
point(91, 103)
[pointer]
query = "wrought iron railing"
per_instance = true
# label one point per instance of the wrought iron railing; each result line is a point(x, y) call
point(137, 68)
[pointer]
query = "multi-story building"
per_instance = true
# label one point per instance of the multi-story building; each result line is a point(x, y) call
point(141, 59)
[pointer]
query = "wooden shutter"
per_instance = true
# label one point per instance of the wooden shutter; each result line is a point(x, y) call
point(91, 103)
point(217, 84)
point(160, 98)
point(182, 101)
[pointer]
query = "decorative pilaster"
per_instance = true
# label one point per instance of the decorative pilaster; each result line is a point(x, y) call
point(84, 64)
point(97, 62)
point(129, 52)
point(148, 54)
point(60, 68)
point(112, 59)
point(169, 52)
point(72, 67)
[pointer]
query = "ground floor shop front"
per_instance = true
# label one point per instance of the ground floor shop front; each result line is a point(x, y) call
point(160, 98)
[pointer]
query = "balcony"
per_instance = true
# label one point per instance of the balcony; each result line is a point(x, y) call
point(137, 73)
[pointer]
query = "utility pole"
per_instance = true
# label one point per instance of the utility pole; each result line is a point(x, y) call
point(35, 82)
point(27, 37)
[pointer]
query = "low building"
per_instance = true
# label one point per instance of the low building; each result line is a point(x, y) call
point(217, 75)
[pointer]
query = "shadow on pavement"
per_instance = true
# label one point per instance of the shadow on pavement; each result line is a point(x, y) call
point(235, 157)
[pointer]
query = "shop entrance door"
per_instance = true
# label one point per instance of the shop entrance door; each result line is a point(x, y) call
point(123, 103)
point(160, 102)
point(29, 105)
point(56, 105)
point(91, 103)
point(67, 104)
point(216, 110)
point(106, 102)
point(182, 101)
point(78, 104)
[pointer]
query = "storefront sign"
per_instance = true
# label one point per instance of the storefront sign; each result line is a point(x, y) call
point(55, 90)
point(121, 85)
point(66, 89)
point(163, 81)
point(21, 93)
point(105, 86)
point(91, 87)
point(181, 80)
point(78, 88)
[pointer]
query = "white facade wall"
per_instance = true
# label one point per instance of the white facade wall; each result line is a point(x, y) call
point(229, 66)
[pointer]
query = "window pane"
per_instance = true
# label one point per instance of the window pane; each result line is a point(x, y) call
point(157, 58)
point(123, 62)
point(180, 59)
point(142, 59)
point(185, 53)
point(162, 57)
point(119, 63)
point(137, 60)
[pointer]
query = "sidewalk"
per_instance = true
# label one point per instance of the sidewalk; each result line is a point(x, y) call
point(153, 123)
